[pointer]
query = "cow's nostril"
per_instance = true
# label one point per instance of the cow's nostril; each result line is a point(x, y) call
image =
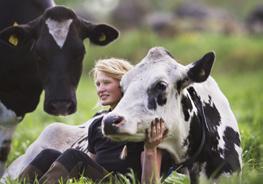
point(111, 124)
point(61, 107)
point(71, 108)
point(117, 120)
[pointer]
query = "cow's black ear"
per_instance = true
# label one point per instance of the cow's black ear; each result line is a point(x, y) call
point(16, 36)
point(103, 34)
point(100, 34)
point(197, 71)
point(200, 70)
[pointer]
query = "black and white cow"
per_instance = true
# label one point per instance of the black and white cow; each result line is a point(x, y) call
point(43, 54)
point(203, 132)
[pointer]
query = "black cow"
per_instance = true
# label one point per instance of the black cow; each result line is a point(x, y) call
point(21, 12)
point(43, 54)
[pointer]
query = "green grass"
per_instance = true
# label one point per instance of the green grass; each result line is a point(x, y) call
point(238, 71)
point(244, 92)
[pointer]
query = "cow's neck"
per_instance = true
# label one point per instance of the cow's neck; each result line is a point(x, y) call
point(196, 121)
point(178, 130)
point(188, 130)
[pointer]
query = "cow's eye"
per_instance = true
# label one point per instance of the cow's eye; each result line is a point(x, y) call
point(161, 85)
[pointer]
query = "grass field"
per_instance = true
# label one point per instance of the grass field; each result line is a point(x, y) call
point(238, 71)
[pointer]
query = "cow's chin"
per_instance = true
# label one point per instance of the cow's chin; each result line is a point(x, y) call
point(138, 137)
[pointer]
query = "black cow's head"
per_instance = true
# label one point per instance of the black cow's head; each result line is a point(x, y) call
point(55, 39)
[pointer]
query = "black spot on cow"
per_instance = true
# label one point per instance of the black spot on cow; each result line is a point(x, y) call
point(231, 137)
point(187, 107)
point(209, 99)
point(157, 95)
point(4, 150)
point(213, 117)
point(216, 164)
point(151, 103)
point(195, 135)
point(161, 100)
point(181, 84)
point(192, 92)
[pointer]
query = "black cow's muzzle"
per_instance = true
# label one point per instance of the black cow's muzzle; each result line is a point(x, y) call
point(60, 107)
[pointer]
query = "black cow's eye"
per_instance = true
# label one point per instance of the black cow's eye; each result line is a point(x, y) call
point(161, 85)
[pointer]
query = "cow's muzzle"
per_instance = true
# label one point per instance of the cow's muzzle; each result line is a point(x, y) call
point(61, 107)
point(111, 124)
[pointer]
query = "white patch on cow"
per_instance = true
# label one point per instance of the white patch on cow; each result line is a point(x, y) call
point(59, 30)
point(178, 131)
point(221, 142)
point(8, 117)
point(8, 122)
point(239, 151)
point(6, 135)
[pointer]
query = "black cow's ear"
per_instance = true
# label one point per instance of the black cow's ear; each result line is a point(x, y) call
point(200, 70)
point(15, 36)
point(19, 35)
point(100, 34)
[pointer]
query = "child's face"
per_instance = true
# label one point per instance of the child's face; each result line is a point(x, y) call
point(108, 89)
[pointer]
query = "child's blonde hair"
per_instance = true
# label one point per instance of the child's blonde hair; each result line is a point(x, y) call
point(114, 67)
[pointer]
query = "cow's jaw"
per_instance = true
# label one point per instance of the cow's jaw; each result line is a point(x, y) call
point(138, 137)
point(119, 129)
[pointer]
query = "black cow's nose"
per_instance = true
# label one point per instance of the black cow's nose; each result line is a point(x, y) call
point(111, 124)
point(61, 107)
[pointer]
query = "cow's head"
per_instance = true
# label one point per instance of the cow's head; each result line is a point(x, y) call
point(56, 41)
point(153, 89)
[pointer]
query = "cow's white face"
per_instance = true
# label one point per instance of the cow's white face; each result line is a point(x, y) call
point(152, 89)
